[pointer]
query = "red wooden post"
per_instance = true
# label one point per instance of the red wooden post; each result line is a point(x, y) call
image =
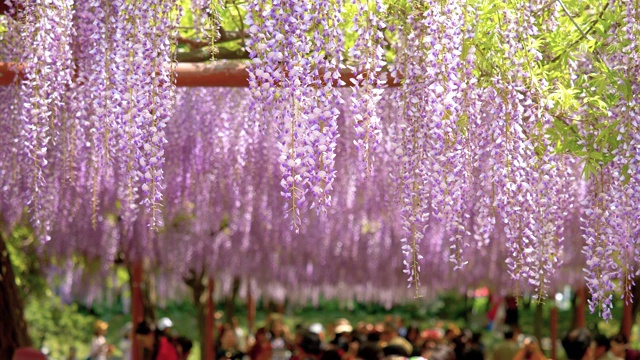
point(554, 332)
point(137, 308)
point(209, 345)
point(581, 307)
point(251, 311)
point(627, 318)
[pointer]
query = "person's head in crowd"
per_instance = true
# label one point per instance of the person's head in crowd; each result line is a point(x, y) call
point(509, 334)
point(261, 336)
point(100, 328)
point(354, 345)
point(413, 334)
point(577, 344)
point(164, 326)
point(389, 333)
point(309, 346)
point(374, 336)
point(475, 338)
point(601, 345)
point(184, 347)
point(369, 351)
point(343, 326)
point(317, 328)
point(145, 333)
point(439, 352)
point(619, 345)
point(451, 334)
point(227, 338)
point(394, 351)
point(262, 348)
point(331, 355)
point(277, 327)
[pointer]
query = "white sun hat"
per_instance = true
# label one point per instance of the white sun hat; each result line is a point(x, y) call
point(164, 323)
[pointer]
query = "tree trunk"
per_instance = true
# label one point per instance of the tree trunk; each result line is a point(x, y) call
point(195, 281)
point(579, 308)
point(149, 298)
point(230, 305)
point(538, 321)
point(148, 302)
point(13, 327)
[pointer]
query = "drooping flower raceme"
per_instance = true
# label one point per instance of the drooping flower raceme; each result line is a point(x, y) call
point(48, 30)
point(284, 78)
point(368, 53)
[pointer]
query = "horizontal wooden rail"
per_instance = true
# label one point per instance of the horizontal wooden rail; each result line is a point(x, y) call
point(217, 74)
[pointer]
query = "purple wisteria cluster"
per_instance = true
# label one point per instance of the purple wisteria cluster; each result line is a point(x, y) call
point(453, 165)
point(293, 76)
point(368, 53)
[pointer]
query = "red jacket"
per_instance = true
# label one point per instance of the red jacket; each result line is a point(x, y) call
point(167, 351)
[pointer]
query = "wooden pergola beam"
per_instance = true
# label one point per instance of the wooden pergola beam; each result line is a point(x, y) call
point(217, 74)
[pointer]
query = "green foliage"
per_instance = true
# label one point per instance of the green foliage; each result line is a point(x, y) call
point(58, 326)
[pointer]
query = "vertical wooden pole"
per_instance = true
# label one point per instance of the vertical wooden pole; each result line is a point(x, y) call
point(209, 345)
point(554, 331)
point(251, 311)
point(580, 312)
point(137, 308)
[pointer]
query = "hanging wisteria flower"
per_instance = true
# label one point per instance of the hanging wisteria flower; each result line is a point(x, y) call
point(49, 67)
point(368, 53)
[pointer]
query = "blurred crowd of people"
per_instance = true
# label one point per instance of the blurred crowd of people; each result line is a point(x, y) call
point(340, 340)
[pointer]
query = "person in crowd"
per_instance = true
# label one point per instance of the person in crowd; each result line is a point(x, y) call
point(156, 345)
point(240, 335)
point(577, 344)
point(602, 347)
point(530, 350)
point(402, 330)
point(261, 349)
point(474, 349)
point(308, 348)
point(511, 311)
point(145, 333)
point(440, 352)
point(414, 338)
point(390, 336)
point(508, 347)
point(100, 349)
point(620, 348)
point(281, 346)
point(184, 346)
point(331, 355)
point(395, 351)
point(164, 326)
point(227, 346)
point(125, 341)
point(370, 351)
point(354, 347)
point(343, 331)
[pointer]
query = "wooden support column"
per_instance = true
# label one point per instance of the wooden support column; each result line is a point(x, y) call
point(209, 345)
point(554, 331)
point(251, 310)
point(580, 310)
point(137, 308)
